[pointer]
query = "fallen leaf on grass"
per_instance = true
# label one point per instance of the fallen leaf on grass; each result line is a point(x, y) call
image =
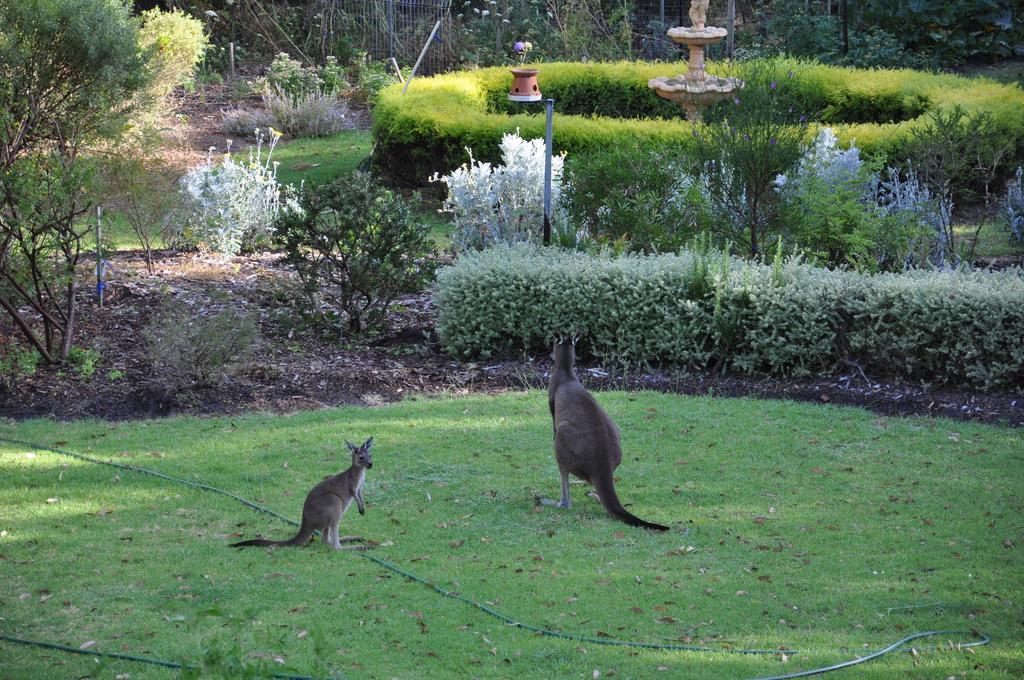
point(682, 550)
point(87, 645)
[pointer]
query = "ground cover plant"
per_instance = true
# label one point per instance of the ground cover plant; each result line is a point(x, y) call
point(704, 310)
point(827, 529)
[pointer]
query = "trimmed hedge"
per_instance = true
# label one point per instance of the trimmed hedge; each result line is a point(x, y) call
point(427, 129)
point(708, 311)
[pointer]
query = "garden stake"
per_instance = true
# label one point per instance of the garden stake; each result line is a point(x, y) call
point(423, 53)
point(99, 256)
point(608, 642)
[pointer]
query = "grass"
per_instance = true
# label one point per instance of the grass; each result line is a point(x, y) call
point(316, 161)
point(806, 524)
point(993, 239)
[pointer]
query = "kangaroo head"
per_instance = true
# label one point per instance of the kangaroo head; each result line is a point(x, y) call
point(361, 454)
point(564, 352)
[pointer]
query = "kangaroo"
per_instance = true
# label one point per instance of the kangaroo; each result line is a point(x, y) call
point(586, 438)
point(327, 502)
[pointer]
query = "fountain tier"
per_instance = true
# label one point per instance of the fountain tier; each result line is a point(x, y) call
point(695, 89)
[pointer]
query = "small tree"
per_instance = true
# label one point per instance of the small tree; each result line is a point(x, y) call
point(357, 247)
point(749, 141)
point(68, 70)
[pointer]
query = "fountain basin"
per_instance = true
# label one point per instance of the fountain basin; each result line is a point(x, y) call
point(686, 35)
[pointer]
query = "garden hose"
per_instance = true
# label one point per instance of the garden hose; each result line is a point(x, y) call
point(125, 657)
point(608, 642)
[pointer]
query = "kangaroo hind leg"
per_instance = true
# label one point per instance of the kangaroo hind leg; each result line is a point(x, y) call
point(565, 502)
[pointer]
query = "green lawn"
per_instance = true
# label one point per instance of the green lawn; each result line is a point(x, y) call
point(993, 239)
point(320, 160)
point(793, 525)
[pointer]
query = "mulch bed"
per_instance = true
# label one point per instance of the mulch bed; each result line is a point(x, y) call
point(297, 367)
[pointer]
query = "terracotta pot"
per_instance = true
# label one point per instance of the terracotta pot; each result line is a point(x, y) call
point(524, 85)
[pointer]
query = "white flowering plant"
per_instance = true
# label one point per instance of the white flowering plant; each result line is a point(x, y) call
point(501, 203)
point(232, 204)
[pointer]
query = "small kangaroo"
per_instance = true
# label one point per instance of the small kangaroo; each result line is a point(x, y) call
point(327, 502)
point(586, 438)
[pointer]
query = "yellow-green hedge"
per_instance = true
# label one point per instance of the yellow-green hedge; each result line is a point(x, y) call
point(429, 127)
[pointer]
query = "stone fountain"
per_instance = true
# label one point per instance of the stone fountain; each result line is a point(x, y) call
point(695, 88)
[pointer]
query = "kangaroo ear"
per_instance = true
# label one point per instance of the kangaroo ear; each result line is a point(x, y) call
point(575, 339)
point(368, 444)
point(350, 445)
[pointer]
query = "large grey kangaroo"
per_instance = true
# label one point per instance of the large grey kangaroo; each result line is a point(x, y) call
point(327, 502)
point(586, 438)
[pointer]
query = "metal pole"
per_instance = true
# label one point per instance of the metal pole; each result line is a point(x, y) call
point(549, 106)
point(661, 13)
point(730, 42)
point(391, 28)
point(426, 46)
point(99, 255)
point(231, 59)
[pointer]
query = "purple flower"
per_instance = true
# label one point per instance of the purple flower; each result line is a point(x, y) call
point(789, 75)
point(803, 119)
point(772, 141)
point(746, 138)
point(519, 46)
point(773, 85)
point(736, 101)
point(790, 110)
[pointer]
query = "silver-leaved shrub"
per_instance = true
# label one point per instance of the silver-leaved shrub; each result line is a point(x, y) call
point(232, 204)
point(1014, 206)
point(706, 310)
point(504, 203)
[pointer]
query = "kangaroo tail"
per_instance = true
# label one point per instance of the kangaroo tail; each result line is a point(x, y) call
point(301, 538)
point(605, 488)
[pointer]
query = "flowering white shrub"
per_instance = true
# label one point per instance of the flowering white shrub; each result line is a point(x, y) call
point(233, 204)
point(504, 203)
point(1015, 206)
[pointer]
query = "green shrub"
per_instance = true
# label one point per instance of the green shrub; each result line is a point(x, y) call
point(633, 193)
point(705, 310)
point(356, 246)
point(289, 78)
point(837, 225)
point(176, 43)
point(428, 129)
point(758, 137)
point(189, 348)
point(962, 155)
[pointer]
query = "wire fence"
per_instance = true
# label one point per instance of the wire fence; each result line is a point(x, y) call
point(393, 29)
point(399, 29)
